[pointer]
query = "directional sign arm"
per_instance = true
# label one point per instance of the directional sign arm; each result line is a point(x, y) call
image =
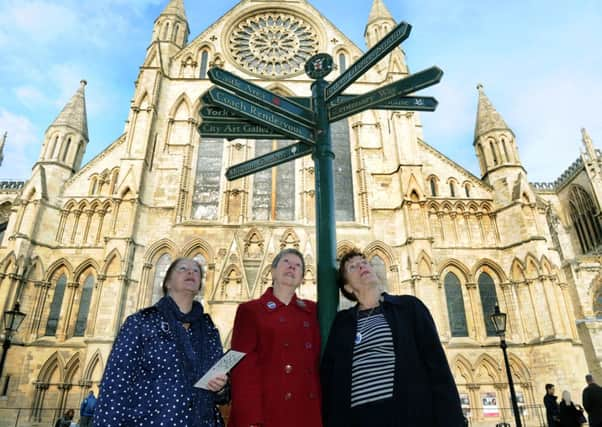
point(412, 83)
point(262, 96)
point(258, 114)
point(378, 52)
point(269, 160)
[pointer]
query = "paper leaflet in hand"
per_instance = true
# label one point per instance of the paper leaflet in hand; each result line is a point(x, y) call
point(222, 366)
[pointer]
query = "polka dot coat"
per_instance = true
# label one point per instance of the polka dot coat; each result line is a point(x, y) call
point(144, 382)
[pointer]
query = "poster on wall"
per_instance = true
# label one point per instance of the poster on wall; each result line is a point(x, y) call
point(465, 402)
point(490, 408)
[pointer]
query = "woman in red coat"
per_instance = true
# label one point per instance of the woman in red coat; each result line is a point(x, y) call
point(277, 383)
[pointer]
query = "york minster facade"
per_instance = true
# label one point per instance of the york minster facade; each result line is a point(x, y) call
point(85, 245)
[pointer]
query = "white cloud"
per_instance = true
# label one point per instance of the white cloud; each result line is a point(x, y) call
point(23, 144)
point(31, 97)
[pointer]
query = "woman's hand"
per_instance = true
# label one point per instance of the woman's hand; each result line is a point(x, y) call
point(217, 383)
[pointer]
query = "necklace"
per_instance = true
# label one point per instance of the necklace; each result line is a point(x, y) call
point(368, 312)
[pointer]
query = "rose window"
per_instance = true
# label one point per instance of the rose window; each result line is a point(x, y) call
point(273, 44)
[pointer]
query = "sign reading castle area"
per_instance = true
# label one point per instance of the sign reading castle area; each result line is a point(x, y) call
point(236, 108)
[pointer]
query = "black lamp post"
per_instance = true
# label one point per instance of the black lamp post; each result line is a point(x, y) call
point(499, 323)
point(12, 321)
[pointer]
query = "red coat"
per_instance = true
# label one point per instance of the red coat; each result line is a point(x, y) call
point(277, 383)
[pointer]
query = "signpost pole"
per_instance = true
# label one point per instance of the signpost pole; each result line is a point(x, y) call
point(328, 293)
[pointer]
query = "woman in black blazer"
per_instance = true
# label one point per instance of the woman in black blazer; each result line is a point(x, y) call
point(384, 365)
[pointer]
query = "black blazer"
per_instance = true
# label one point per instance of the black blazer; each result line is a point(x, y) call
point(424, 389)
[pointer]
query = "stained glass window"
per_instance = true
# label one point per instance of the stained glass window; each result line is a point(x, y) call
point(343, 179)
point(84, 307)
point(455, 306)
point(488, 301)
point(205, 201)
point(55, 306)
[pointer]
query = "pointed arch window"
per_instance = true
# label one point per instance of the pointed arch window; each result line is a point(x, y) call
point(274, 189)
point(84, 307)
point(343, 180)
point(380, 269)
point(204, 63)
point(488, 301)
point(433, 186)
point(467, 189)
point(493, 153)
point(342, 63)
point(506, 150)
point(160, 269)
point(452, 189)
point(205, 200)
point(67, 148)
point(55, 306)
point(584, 217)
point(455, 306)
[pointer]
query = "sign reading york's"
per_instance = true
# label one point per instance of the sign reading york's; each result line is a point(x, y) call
point(240, 109)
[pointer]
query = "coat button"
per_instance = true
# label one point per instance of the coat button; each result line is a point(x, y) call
point(288, 369)
point(313, 395)
point(308, 345)
point(282, 319)
point(305, 324)
point(285, 345)
point(288, 395)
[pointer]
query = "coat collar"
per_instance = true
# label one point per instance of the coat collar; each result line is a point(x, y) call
point(270, 303)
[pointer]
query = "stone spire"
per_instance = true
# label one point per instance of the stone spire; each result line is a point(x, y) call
point(2, 143)
point(379, 12)
point(74, 114)
point(171, 26)
point(175, 8)
point(589, 145)
point(488, 118)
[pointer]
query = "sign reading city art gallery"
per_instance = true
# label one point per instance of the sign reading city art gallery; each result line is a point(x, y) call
point(236, 129)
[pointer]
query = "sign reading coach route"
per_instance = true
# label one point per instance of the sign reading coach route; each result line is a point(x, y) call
point(237, 108)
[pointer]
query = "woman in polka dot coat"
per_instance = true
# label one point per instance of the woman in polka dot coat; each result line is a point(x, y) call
point(158, 355)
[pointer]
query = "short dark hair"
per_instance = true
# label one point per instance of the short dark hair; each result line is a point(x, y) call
point(341, 280)
point(285, 251)
point(549, 387)
point(172, 266)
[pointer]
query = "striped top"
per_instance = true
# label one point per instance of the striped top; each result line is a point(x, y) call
point(373, 368)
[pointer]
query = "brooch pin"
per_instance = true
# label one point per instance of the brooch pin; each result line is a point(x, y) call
point(271, 305)
point(165, 327)
point(358, 338)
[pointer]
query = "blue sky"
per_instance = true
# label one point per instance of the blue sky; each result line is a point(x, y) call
point(539, 62)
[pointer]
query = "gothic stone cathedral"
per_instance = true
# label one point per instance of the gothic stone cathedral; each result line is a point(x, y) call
point(86, 245)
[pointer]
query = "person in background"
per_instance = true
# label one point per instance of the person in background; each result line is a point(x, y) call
point(384, 364)
point(551, 404)
point(86, 410)
point(158, 356)
point(571, 415)
point(592, 401)
point(277, 384)
point(66, 419)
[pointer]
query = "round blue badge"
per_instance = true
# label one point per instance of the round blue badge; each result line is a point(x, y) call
point(271, 305)
point(358, 338)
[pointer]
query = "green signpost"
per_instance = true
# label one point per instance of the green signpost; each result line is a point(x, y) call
point(240, 109)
